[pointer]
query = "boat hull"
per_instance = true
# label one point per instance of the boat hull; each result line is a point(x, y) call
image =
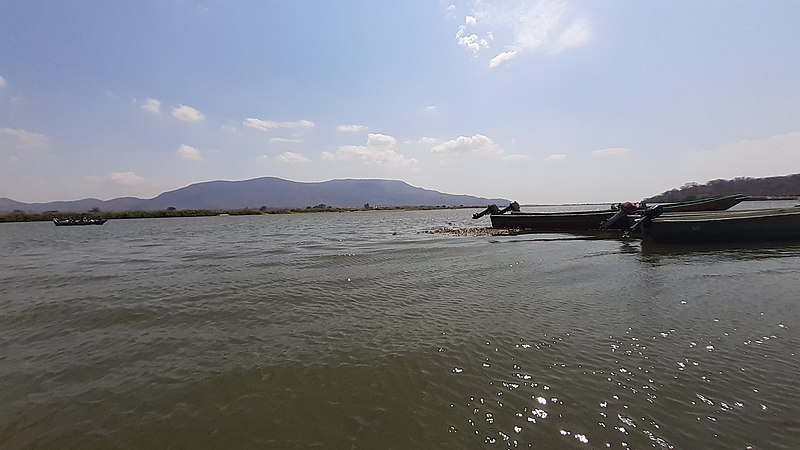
point(554, 222)
point(725, 226)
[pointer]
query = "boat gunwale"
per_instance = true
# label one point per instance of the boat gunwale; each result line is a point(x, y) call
point(718, 216)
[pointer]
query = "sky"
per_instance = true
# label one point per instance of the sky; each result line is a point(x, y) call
point(544, 102)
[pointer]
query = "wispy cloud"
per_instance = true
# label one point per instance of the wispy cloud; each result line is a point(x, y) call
point(477, 144)
point(2, 82)
point(152, 105)
point(380, 150)
point(769, 156)
point(611, 152)
point(521, 26)
point(279, 141)
point(429, 141)
point(556, 157)
point(17, 141)
point(292, 158)
point(125, 179)
point(516, 158)
point(266, 125)
point(351, 128)
point(577, 34)
point(187, 114)
point(189, 152)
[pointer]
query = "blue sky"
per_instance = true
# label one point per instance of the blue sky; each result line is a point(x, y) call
point(549, 101)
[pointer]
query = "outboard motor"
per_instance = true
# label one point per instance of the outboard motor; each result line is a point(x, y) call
point(624, 209)
point(491, 209)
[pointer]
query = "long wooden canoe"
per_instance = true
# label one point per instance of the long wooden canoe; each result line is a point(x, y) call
point(705, 204)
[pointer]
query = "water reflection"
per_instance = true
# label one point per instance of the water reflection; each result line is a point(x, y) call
point(748, 250)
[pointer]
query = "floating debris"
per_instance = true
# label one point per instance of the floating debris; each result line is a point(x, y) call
point(485, 231)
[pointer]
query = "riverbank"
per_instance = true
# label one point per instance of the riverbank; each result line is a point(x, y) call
point(22, 216)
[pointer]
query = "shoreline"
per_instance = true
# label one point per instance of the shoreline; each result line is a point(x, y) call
point(22, 216)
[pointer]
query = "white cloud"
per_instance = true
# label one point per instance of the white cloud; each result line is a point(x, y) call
point(523, 26)
point(2, 82)
point(153, 106)
point(266, 125)
point(502, 57)
point(770, 156)
point(327, 156)
point(556, 157)
point(611, 152)
point(351, 128)
point(189, 152)
point(262, 158)
point(380, 140)
point(187, 114)
point(470, 41)
point(285, 141)
point(430, 108)
point(477, 144)
point(380, 150)
point(292, 158)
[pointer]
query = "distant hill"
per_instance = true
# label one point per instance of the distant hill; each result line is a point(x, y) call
point(273, 193)
point(783, 186)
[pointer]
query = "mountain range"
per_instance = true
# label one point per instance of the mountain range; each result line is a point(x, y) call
point(269, 192)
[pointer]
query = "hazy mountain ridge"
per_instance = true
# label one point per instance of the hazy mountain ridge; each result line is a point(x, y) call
point(781, 186)
point(270, 192)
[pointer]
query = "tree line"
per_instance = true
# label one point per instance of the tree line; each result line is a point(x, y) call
point(96, 213)
point(771, 187)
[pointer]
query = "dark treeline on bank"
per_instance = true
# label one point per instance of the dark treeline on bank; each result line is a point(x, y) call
point(95, 213)
point(757, 188)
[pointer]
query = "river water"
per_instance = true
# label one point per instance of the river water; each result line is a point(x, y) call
point(364, 330)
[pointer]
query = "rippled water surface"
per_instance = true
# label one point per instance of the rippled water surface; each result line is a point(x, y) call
point(362, 330)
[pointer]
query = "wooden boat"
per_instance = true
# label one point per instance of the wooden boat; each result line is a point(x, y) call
point(74, 222)
point(618, 217)
point(560, 221)
point(758, 225)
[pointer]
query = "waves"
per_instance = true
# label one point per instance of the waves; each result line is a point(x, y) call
point(362, 330)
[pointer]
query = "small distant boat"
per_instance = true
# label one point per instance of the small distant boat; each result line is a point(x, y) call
point(82, 221)
point(618, 217)
point(757, 225)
